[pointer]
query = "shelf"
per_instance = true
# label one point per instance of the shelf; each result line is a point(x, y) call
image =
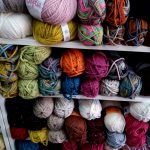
point(77, 44)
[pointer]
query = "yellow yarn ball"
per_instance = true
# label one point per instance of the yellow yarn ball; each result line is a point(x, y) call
point(52, 34)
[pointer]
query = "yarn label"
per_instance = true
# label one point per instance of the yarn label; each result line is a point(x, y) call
point(35, 8)
point(66, 32)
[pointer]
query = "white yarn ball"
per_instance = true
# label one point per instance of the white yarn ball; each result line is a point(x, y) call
point(57, 136)
point(107, 103)
point(140, 111)
point(15, 25)
point(63, 107)
point(90, 109)
point(43, 107)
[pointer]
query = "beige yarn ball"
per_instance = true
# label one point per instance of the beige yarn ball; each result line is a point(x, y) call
point(2, 144)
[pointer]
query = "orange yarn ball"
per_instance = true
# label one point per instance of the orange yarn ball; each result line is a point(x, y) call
point(72, 62)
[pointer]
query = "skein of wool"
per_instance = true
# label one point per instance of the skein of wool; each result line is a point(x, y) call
point(109, 87)
point(130, 86)
point(90, 88)
point(63, 107)
point(57, 136)
point(52, 12)
point(76, 128)
point(91, 12)
point(117, 12)
point(90, 109)
point(15, 26)
point(140, 111)
point(55, 123)
point(2, 144)
point(50, 34)
point(43, 107)
point(70, 86)
point(67, 145)
point(136, 30)
point(96, 66)
point(72, 62)
point(88, 146)
point(91, 35)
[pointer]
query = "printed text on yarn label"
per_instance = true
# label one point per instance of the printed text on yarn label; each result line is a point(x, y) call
point(66, 32)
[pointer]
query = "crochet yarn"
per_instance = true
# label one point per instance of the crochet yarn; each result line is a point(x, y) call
point(2, 144)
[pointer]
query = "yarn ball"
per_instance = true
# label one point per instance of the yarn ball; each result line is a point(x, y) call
point(140, 111)
point(67, 145)
point(91, 12)
point(130, 86)
point(109, 103)
point(117, 12)
point(90, 88)
point(19, 133)
point(34, 54)
point(53, 12)
point(109, 87)
point(50, 34)
point(63, 107)
point(57, 136)
point(26, 145)
point(72, 62)
point(96, 66)
point(90, 35)
point(70, 86)
point(2, 144)
point(90, 109)
point(55, 123)
point(28, 89)
point(27, 70)
point(115, 140)
point(43, 107)
point(114, 120)
point(48, 87)
point(15, 25)
point(88, 146)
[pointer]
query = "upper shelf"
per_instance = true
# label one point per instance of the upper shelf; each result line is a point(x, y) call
point(77, 44)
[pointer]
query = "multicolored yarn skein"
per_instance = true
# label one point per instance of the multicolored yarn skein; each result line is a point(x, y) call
point(91, 11)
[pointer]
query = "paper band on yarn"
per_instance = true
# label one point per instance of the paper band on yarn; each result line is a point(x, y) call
point(66, 32)
point(35, 8)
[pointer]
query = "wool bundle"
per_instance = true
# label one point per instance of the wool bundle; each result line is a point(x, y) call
point(43, 107)
point(2, 144)
point(67, 145)
point(91, 35)
point(90, 109)
point(72, 62)
point(15, 26)
point(88, 146)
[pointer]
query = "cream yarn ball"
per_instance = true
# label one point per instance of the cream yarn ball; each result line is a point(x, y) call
point(15, 25)
point(90, 109)
point(140, 111)
point(43, 107)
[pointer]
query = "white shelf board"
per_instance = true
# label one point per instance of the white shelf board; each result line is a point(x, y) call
point(77, 44)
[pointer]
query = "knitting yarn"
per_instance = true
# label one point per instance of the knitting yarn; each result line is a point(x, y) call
point(70, 86)
point(109, 87)
point(50, 34)
point(67, 145)
point(55, 123)
point(19, 133)
point(90, 34)
point(2, 144)
point(72, 62)
point(117, 12)
point(44, 10)
point(28, 89)
point(140, 111)
point(63, 107)
point(130, 86)
point(127, 147)
point(91, 12)
point(115, 140)
point(90, 109)
point(39, 136)
point(76, 128)
point(90, 88)
point(107, 104)
point(56, 136)
point(97, 66)
point(136, 30)
point(26, 145)
point(114, 120)
point(88, 146)
point(34, 54)
point(15, 25)
point(43, 107)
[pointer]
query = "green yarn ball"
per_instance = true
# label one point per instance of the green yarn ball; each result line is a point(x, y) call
point(28, 89)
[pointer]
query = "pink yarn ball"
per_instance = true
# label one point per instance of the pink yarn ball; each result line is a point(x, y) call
point(90, 88)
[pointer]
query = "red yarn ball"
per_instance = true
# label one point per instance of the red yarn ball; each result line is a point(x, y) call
point(67, 145)
point(88, 146)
